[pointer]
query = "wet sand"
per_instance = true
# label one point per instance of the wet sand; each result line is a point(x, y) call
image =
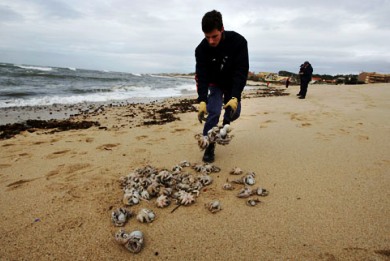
point(325, 161)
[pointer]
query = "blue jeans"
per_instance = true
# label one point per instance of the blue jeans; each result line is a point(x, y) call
point(215, 100)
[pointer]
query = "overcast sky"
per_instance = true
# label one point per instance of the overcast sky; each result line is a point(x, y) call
point(155, 36)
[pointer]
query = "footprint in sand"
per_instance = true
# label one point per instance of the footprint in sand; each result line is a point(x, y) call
point(66, 170)
point(297, 117)
point(140, 150)
point(21, 156)
point(326, 137)
point(19, 183)
point(71, 224)
point(8, 145)
point(363, 137)
point(179, 130)
point(38, 142)
point(264, 124)
point(383, 252)
point(54, 140)
point(108, 146)
point(142, 137)
point(57, 154)
point(154, 141)
point(2, 166)
point(301, 118)
point(343, 131)
point(382, 163)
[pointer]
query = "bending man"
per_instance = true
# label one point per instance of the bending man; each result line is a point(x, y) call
point(222, 66)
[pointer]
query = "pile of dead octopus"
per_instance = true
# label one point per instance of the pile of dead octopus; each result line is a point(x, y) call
point(177, 186)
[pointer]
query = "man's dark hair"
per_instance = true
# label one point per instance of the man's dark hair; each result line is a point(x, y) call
point(212, 20)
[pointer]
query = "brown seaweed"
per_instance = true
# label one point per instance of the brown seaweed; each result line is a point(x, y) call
point(10, 130)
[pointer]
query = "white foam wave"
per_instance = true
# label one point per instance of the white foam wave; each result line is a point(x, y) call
point(119, 93)
point(46, 69)
point(158, 76)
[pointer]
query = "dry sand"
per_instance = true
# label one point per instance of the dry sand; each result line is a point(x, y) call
point(325, 161)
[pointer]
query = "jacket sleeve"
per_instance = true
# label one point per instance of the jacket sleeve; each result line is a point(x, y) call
point(240, 73)
point(201, 75)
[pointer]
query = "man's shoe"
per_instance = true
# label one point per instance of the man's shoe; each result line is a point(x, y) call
point(301, 97)
point(209, 153)
point(298, 94)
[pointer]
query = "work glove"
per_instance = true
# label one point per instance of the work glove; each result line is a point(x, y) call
point(233, 103)
point(202, 112)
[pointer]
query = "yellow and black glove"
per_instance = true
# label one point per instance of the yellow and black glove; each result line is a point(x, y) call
point(202, 111)
point(233, 103)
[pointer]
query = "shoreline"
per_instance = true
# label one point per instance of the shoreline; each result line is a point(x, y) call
point(11, 115)
point(86, 115)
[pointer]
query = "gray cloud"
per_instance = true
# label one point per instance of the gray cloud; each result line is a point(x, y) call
point(7, 14)
point(160, 36)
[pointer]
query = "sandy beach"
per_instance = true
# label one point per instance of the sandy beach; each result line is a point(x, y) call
point(325, 161)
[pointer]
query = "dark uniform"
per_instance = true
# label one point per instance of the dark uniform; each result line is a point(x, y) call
point(305, 74)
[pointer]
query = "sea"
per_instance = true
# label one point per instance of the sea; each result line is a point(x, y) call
point(29, 85)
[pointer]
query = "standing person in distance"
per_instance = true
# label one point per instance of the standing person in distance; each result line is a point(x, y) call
point(305, 74)
point(300, 73)
point(222, 67)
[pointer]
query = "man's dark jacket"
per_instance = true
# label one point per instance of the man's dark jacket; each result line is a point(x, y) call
point(307, 73)
point(226, 65)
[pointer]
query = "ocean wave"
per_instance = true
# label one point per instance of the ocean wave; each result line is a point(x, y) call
point(46, 69)
point(118, 95)
point(16, 94)
point(50, 75)
point(28, 85)
point(188, 91)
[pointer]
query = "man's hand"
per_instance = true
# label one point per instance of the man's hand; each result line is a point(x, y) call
point(202, 111)
point(233, 103)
